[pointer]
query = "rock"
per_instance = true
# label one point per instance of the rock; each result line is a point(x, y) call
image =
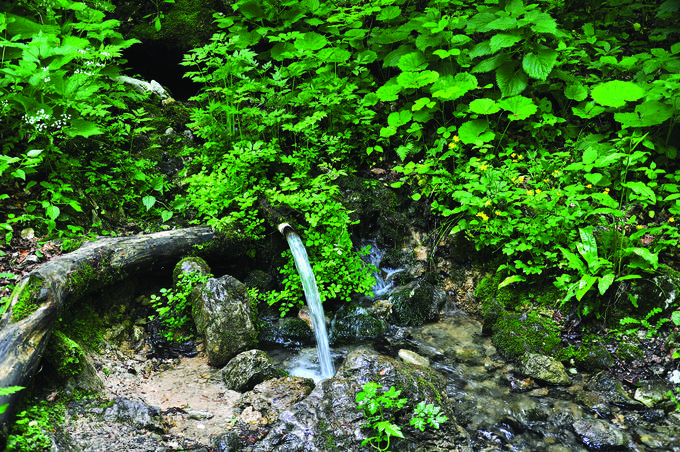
point(248, 369)
point(544, 368)
point(289, 332)
point(611, 389)
point(413, 358)
point(328, 419)
point(126, 411)
point(515, 335)
point(272, 397)
point(191, 264)
point(225, 315)
point(652, 392)
point(594, 359)
point(353, 323)
point(227, 442)
point(416, 303)
point(598, 434)
point(199, 415)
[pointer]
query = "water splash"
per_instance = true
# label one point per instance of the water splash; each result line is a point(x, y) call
point(384, 277)
point(312, 296)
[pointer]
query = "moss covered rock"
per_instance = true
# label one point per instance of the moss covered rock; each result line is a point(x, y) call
point(416, 303)
point(353, 323)
point(517, 334)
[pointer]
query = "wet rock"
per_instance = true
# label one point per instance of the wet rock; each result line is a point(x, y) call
point(594, 359)
point(289, 332)
point(227, 442)
point(225, 315)
point(353, 323)
point(272, 397)
point(598, 434)
point(544, 368)
point(413, 358)
point(611, 389)
point(416, 303)
point(515, 335)
point(329, 419)
point(190, 265)
point(248, 369)
point(652, 392)
point(139, 414)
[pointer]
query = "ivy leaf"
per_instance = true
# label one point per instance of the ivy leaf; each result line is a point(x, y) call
point(616, 93)
point(148, 202)
point(540, 64)
point(475, 132)
point(399, 118)
point(484, 106)
point(502, 40)
point(310, 41)
point(414, 61)
point(576, 91)
point(520, 107)
point(511, 79)
point(650, 113)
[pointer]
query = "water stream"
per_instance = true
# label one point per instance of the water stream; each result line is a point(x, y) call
point(313, 299)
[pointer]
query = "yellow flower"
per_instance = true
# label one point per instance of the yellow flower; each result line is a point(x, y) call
point(452, 145)
point(456, 139)
point(589, 186)
point(671, 220)
point(538, 190)
point(558, 193)
point(606, 190)
point(530, 192)
point(513, 179)
point(514, 160)
point(546, 180)
point(484, 167)
point(521, 179)
point(488, 203)
point(513, 155)
point(484, 216)
point(498, 212)
point(556, 173)
point(520, 156)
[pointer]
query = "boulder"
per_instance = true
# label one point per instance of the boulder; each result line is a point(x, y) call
point(416, 303)
point(248, 369)
point(544, 368)
point(328, 419)
point(270, 398)
point(225, 316)
point(353, 323)
point(597, 434)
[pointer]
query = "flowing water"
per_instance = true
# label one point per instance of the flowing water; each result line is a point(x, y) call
point(313, 299)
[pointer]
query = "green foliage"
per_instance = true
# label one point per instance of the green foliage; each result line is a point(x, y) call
point(8, 391)
point(173, 307)
point(652, 328)
point(29, 431)
point(157, 16)
point(427, 415)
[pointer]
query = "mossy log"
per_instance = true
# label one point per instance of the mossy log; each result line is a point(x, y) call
point(40, 296)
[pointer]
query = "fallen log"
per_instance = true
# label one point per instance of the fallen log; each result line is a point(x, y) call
point(40, 297)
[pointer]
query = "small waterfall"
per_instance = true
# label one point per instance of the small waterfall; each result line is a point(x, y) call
point(384, 280)
point(313, 300)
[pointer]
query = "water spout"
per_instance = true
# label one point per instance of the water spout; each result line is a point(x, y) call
point(312, 295)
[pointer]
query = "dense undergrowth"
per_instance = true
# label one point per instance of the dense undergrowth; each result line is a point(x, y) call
point(546, 131)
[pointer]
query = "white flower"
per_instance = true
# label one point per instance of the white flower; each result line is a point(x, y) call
point(675, 377)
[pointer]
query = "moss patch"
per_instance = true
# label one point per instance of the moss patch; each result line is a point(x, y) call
point(517, 334)
point(27, 296)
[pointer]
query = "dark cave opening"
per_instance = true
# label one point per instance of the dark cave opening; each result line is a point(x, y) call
point(157, 61)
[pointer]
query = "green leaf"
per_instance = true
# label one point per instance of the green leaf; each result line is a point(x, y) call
point(475, 132)
point(83, 128)
point(166, 215)
point(389, 13)
point(413, 80)
point(587, 110)
point(520, 107)
point(616, 93)
point(574, 261)
point(511, 79)
point(648, 256)
point(392, 58)
point(650, 113)
point(484, 106)
point(605, 282)
point(148, 202)
point(584, 286)
point(538, 65)
point(334, 55)
point(576, 91)
point(310, 41)
point(34, 152)
point(389, 91)
point(52, 211)
point(451, 88)
point(414, 61)
point(503, 40)
point(423, 102)
point(399, 118)
point(491, 63)
point(642, 190)
point(366, 57)
point(542, 22)
point(587, 247)
point(503, 23)
point(511, 279)
point(387, 132)
point(481, 49)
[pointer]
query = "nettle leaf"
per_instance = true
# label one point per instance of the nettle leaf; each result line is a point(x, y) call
point(389, 13)
point(515, 7)
point(587, 110)
point(480, 22)
point(310, 41)
point(491, 63)
point(520, 107)
point(642, 190)
point(650, 113)
point(475, 132)
point(576, 92)
point(459, 39)
point(503, 40)
point(414, 61)
point(616, 93)
point(52, 211)
point(503, 23)
point(451, 88)
point(484, 106)
point(481, 49)
point(399, 118)
point(538, 65)
point(542, 22)
point(511, 79)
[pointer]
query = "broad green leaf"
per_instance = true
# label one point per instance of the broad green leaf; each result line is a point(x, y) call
point(34, 152)
point(481, 49)
point(511, 79)
point(502, 40)
point(574, 261)
point(310, 41)
point(389, 13)
point(648, 256)
point(388, 36)
point(675, 317)
point(598, 179)
point(423, 102)
point(587, 110)
point(650, 113)
point(417, 79)
point(484, 106)
point(492, 63)
point(642, 190)
point(399, 118)
point(370, 99)
point(475, 132)
point(366, 57)
point(414, 61)
point(520, 107)
point(166, 215)
point(387, 132)
point(538, 65)
point(511, 279)
point(616, 93)
point(334, 55)
point(392, 58)
point(451, 88)
point(503, 23)
point(605, 282)
point(52, 212)
point(584, 286)
point(83, 128)
point(515, 8)
point(479, 22)
point(587, 247)
point(542, 22)
point(148, 202)
point(389, 91)
point(576, 91)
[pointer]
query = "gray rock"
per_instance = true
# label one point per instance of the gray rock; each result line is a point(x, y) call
point(413, 358)
point(598, 434)
point(544, 368)
point(611, 389)
point(416, 303)
point(248, 369)
point(652, 392)
point(353, 323)
point(328, 419)
point(270, 398)
point(225, 316)
point(139, 414)
point(190, 265)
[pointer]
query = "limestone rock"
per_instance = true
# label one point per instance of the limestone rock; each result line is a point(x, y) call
point(544, 368)
point(413, 358)
point(225, 315)
point(248, 369)
point(272, 397)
